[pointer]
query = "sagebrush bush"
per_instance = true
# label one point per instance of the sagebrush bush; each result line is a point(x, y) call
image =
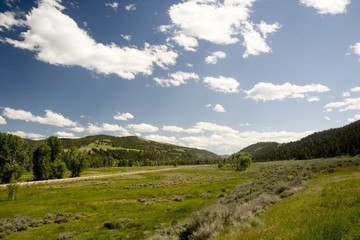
point(65, 235)
point(17, 224)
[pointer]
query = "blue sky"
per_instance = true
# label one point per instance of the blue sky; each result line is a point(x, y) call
point(211, 74)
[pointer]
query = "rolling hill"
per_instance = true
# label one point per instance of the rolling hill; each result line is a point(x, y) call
point(136, 149)
point(329, 143)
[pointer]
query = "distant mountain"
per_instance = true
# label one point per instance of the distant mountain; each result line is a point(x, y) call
point(329, 143)
point(137, 149)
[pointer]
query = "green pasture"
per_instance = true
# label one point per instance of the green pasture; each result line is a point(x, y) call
point(139, 203)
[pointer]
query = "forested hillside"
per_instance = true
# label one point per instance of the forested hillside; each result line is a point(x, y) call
point(124, 151)
point(325, 144)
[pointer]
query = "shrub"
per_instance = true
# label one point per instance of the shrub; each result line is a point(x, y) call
point(61, 217)
point(17, 224)
point(112, 225)
point(65, 235)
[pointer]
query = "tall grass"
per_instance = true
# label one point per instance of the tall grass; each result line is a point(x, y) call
point(270, 182)
point(329, 208)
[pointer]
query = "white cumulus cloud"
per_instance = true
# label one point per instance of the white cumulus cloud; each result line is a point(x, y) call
point(222, 84)
point(327, 6)
point(214, 57)
point(220, 22)
point(57, 39)
point(355, 89)
point(123, 116)
point(176, 79)
point(356, 48)
point(107, 127)
point(313, 99)
point(33, 136)
point(164, 139)
point(130, 7)
point(219, 108)
point(187, 42)
point(50, 118)
point(355, 118)
point(2, 121)
point(78, 129)
point(176, 129)
point(269, 91)
point(143, 127)
point(62, 134)
point(223, 139)
point(346, 104)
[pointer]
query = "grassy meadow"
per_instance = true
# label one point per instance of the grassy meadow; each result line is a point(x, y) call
point(135, 204)
point(314, 199)
point(328, 208)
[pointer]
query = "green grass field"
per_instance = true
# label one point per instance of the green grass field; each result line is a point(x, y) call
point(328, 208)
point(138, 203)
point(315, 199)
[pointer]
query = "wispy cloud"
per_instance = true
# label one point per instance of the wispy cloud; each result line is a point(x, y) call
point(8, 20)
point(176, 79)
point(126, 37)
point(113, 5)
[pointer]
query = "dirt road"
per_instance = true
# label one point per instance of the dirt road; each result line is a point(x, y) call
point(89, 177)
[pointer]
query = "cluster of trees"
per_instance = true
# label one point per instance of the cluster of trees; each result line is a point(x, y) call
point(325, 144)
point(48, 161)
point(239, 161)
point(15, 157)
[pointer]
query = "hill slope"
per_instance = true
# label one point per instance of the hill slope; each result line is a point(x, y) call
point(329, 143)
point(137, 149)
